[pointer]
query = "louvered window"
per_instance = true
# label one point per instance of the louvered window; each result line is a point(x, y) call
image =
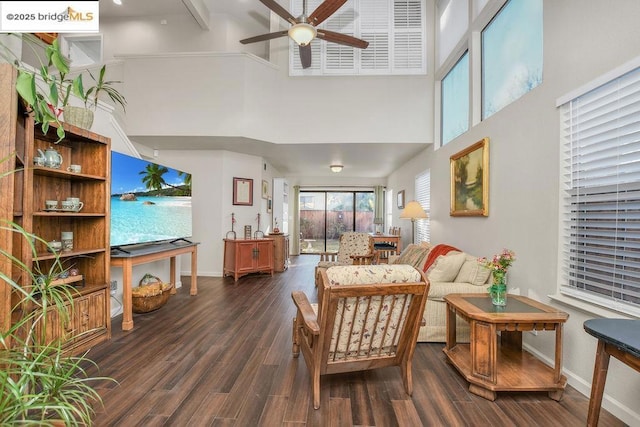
point(601, 194)
point(395, 30)
point(423, 196)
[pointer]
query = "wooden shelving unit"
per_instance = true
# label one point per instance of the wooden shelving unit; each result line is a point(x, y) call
point(280, 252)
point(26, 194)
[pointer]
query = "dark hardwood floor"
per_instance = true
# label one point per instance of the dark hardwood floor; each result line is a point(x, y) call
point(223, 358)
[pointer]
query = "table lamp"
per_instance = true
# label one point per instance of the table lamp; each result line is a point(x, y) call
point(413, 210)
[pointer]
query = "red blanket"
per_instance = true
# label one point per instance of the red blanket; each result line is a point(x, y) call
point(435, 252)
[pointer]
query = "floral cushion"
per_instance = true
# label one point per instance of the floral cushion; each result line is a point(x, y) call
point(369, 325)
point(353, 243)
point(371, 274)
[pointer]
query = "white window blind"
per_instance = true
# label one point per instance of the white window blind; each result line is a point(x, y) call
point(423, 196)
point(395, 30)
point(601, 194)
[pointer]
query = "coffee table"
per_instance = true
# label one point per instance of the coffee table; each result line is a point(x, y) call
point(492, 362)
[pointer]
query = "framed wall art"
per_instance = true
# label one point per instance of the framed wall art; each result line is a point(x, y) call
point(470, 180)
point(400, 199)
point(243, 191)
point(265, 189)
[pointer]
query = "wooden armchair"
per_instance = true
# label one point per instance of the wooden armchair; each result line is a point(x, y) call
point(367, 317)
point(354, 248)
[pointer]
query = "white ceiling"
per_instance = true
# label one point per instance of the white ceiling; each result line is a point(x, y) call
point(305, 160)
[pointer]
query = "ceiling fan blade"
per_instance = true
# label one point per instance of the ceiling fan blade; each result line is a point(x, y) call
point(284, 13)
point(305, 55)
point(264, 37)
point(325, 10)
point(344, 39)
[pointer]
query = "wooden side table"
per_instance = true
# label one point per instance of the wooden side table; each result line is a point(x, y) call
point(127, 259)
point(491, 363)
point(619, 338)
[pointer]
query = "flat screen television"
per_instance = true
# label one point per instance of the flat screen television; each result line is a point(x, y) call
point(149, 202)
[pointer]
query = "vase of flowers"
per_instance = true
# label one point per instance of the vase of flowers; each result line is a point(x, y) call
point(498, 266)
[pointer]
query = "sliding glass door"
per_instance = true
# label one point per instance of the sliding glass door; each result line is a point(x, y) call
point(325, 215)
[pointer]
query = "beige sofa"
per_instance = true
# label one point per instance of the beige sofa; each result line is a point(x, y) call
point(451, 272)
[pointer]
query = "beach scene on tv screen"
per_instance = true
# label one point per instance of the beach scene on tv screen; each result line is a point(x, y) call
point(149, 202)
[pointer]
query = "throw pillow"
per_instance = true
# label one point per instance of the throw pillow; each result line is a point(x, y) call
point(473, 272)
point(435, 252)
point(412, 255)
point(446, 267)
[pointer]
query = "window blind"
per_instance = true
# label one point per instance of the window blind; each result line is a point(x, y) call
point(601, 194)
point(423, 196)
point(394, 29)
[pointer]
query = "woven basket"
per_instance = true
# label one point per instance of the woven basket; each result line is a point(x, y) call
point(78, 116)
point(151, 297)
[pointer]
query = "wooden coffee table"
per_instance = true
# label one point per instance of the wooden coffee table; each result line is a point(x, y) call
point(493, 363)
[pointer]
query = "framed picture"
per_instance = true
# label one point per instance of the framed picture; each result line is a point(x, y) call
point(269, 205)
point(265, 189)
point(243, 191)
point(470, 181)
point(400, 199)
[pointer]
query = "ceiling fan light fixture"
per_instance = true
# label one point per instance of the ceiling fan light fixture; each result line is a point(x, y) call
point(336, 168)
point(302, 33)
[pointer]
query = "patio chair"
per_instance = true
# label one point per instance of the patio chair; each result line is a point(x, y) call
point(354, 248)
point(367, 317)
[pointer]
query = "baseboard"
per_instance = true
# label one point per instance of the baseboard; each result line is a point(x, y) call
point(621, 411)
point(203, 273)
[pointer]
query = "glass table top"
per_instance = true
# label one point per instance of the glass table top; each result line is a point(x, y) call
point(513, 305)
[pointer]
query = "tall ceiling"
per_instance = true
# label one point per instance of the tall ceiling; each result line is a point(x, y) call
point(375, 160)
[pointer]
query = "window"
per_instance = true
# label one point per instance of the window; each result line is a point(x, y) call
point(511, 54)
point(325, 215)
point(423, 196)
point(600, 179)
point(388, 205)
point(455, 100)
point(394, 29)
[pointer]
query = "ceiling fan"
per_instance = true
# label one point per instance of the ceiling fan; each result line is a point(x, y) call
point(304, 28)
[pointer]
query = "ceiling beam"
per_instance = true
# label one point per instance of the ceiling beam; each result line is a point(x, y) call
point(199, 11)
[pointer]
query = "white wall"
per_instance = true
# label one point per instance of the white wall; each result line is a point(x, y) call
point(212, 194)
point(179, 34)
point(582, 40)
point(240, 95)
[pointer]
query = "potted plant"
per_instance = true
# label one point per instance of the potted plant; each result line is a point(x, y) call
point(46, 91)
point(40, 382)
point(83, 117)
point(42, 89)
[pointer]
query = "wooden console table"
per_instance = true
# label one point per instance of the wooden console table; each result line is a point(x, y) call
point(619, 338)
point(127, 258)
point(493, 364)
point(242, 257)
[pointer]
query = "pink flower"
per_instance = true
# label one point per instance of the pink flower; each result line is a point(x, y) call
point(500, 262)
